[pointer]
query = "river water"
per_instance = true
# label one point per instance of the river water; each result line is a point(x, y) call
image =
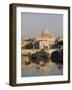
point(36, 70)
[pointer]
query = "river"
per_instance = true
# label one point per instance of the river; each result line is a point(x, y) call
point(36, 70)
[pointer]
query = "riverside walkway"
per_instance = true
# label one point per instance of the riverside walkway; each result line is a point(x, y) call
point(31, 51)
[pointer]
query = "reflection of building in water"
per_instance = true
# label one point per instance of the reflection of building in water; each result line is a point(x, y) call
point(45, 39)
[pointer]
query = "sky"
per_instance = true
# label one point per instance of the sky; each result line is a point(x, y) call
point(32, 24)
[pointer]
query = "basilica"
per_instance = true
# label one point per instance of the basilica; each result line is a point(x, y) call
point(43, 40)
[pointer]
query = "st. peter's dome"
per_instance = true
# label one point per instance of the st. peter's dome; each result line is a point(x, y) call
point(45, 33)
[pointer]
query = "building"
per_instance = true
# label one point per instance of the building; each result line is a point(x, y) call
point(45, 39)
point(24, 42)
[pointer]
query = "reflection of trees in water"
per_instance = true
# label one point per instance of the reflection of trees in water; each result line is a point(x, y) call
point(28, 63)
point(41, 63)
point(41, 59)
point(50, 68)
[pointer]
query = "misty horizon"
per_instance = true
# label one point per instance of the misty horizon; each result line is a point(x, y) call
point(32, 24)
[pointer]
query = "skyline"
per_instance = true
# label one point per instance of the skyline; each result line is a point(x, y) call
point(32, 24)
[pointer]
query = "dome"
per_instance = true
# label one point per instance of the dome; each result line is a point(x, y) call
point(45, 33)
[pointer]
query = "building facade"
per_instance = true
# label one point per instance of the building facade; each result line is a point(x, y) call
point(45, 39)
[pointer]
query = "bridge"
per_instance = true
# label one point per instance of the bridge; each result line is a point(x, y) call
point(31, 51)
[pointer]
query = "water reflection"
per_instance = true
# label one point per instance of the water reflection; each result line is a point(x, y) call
point(32, 69)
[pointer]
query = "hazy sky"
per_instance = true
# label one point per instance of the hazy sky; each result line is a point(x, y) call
point(32, 24)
